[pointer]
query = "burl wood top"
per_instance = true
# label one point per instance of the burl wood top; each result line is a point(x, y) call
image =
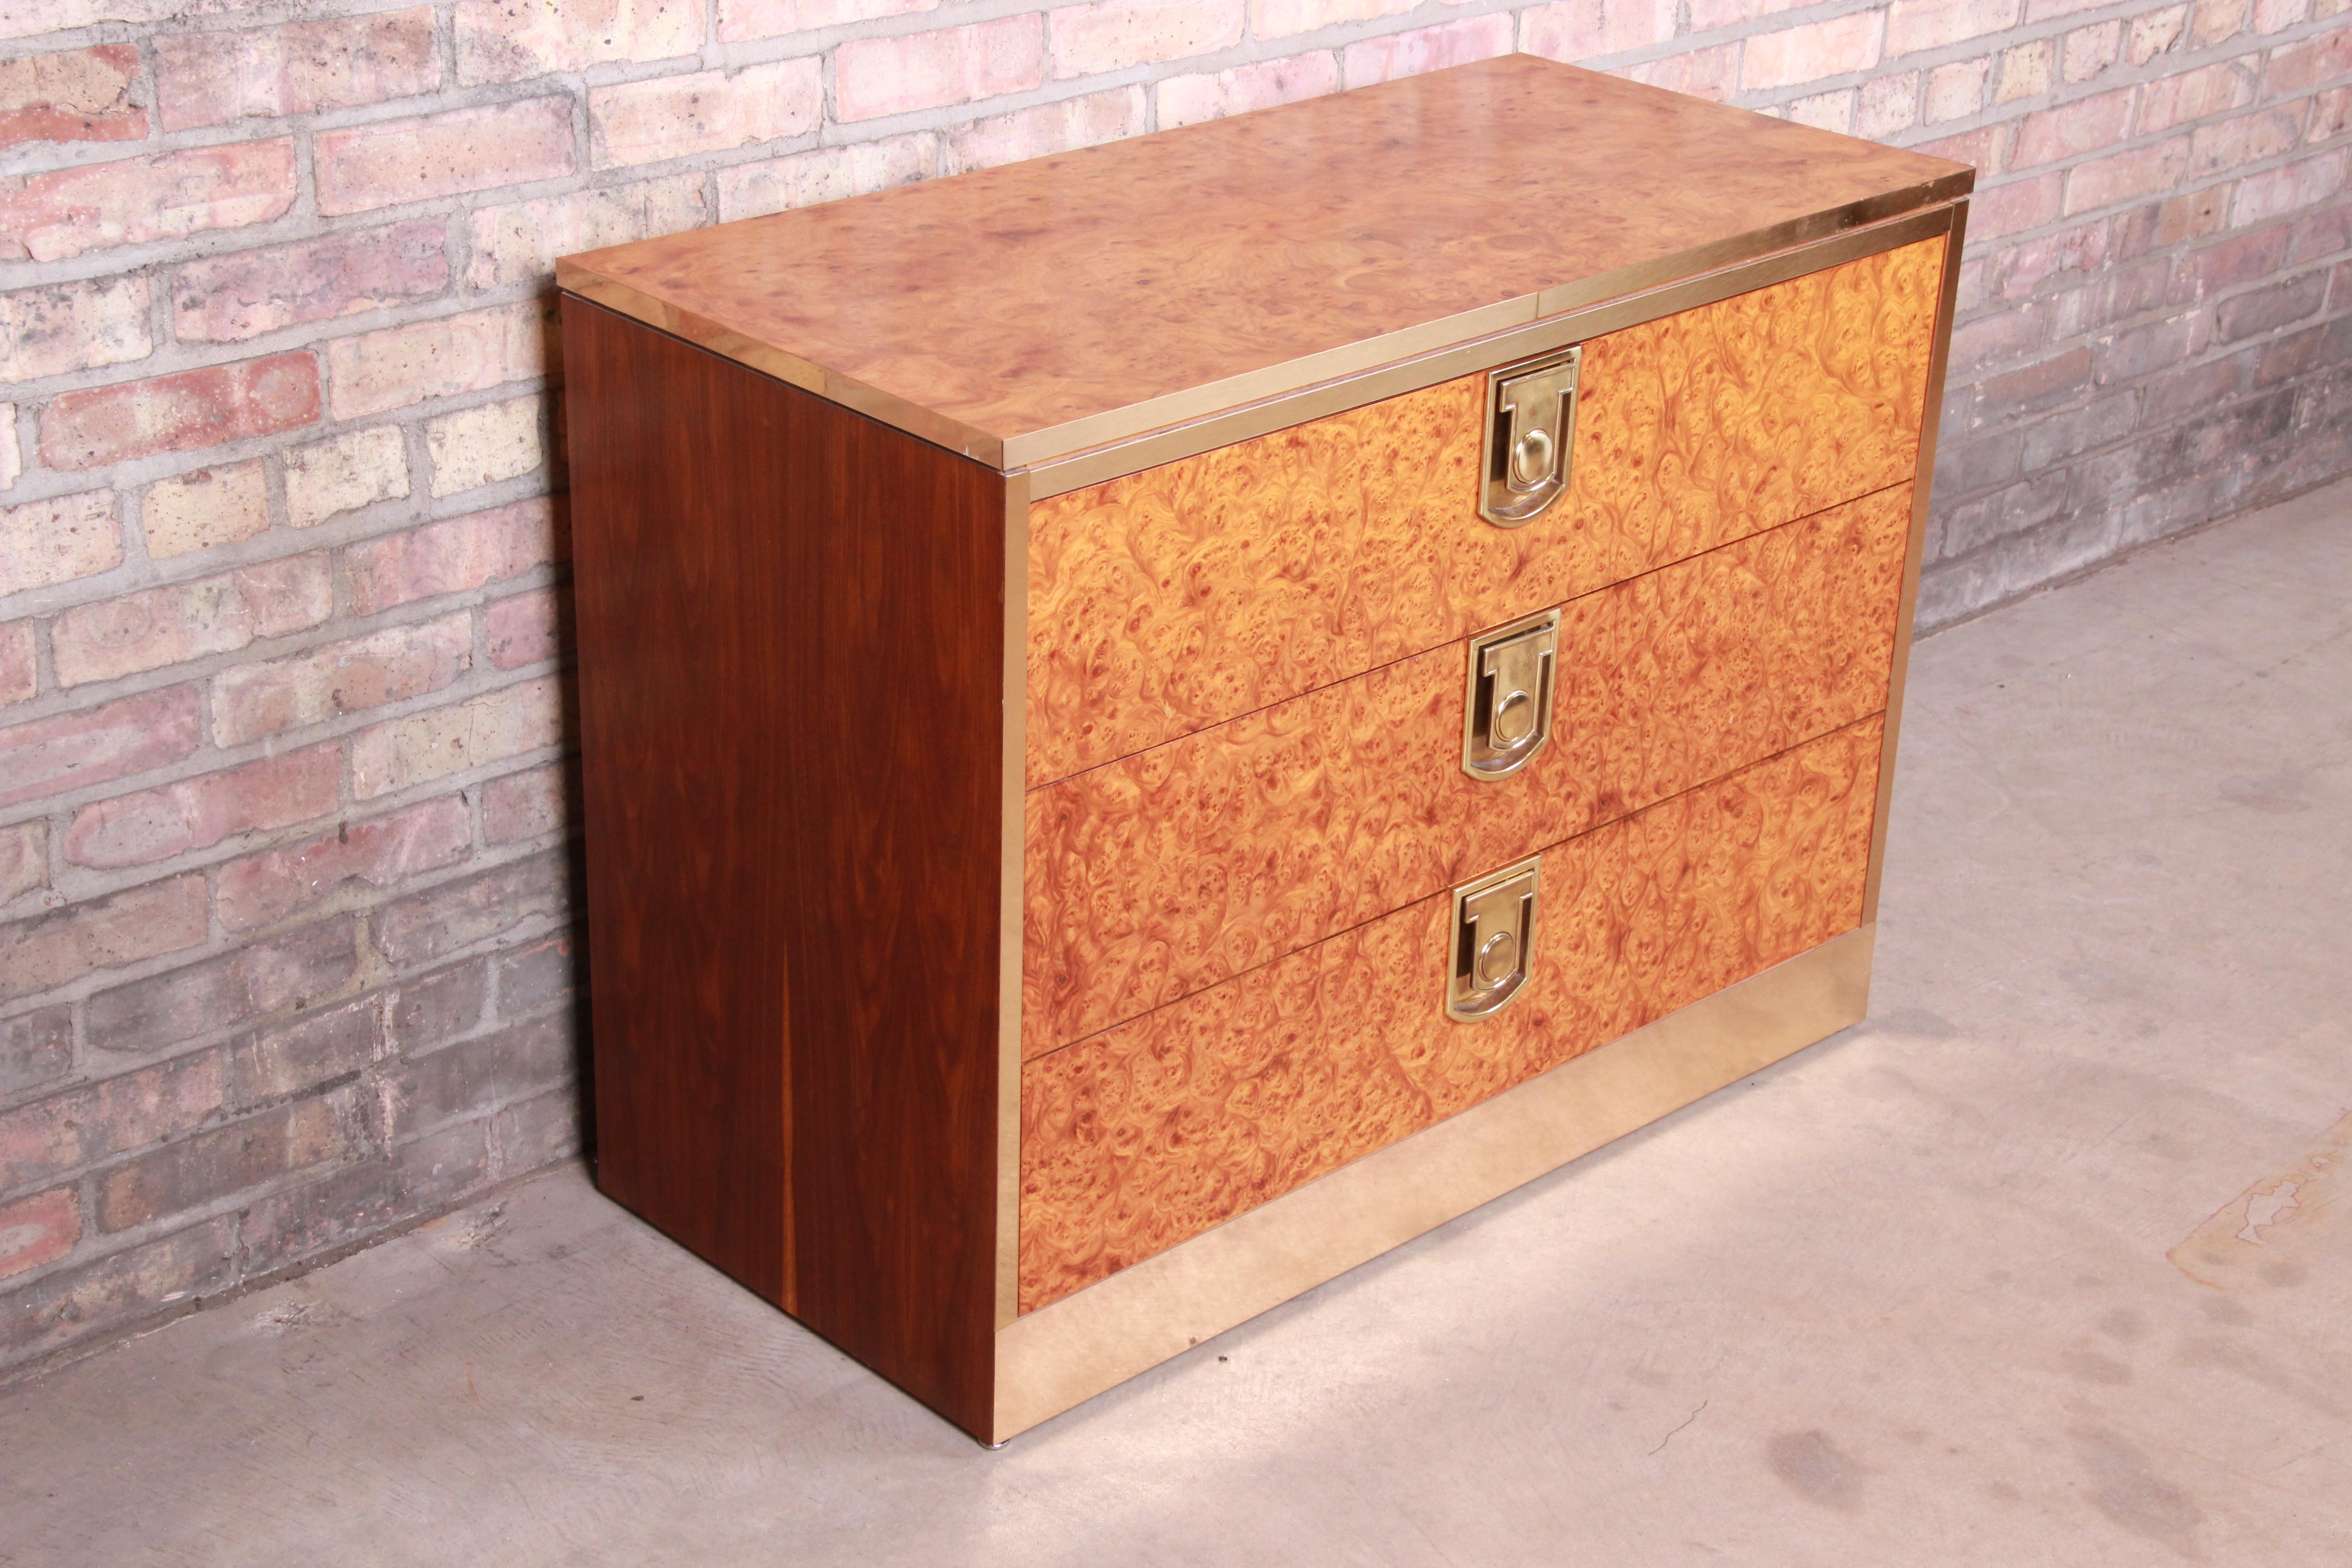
point(1024, 313)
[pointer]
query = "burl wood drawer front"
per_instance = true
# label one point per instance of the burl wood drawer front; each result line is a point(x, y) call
point(1151, 1132)
point(1175, 598)
point(1157, 875)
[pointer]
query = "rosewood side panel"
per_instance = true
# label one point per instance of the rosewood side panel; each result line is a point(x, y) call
point(791, 625)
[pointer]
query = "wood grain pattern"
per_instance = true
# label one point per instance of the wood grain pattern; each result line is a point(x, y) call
point(791, 627)
point(1176, 599)
point(1064, 289)
point(1157, 875)
point(1135, 1138)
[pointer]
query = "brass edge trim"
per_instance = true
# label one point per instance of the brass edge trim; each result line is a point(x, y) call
point(1063, 1355)
point(1010, 895)
point(1336, 396)
point(1915, 551)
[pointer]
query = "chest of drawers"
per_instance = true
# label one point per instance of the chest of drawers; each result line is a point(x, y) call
point(1160, 722)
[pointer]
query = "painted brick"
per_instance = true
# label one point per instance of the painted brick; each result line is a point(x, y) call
point(1915, 24)
point(190, 620)
point(2025, 71)
point(2192, 95)
point(1112, 35)
point(429, 1091)
point(2248, 138)
point(354, 469)
point(539, 978)
point(72, 95)
point(512, 40)
point(37, 1230)
point(875, 76)
point(441, 1005)
point(483, 445)
point(440, 741)
point(64, 944)
point(191, 409)
point(2126, 176)
point(527, 805)
point(1189, 100)
point(70, 211)
point(2089, 51)
point(1044, 129)
point(2277, 192)
point(198, 813)
point(433, 924)
point(1426, 49)
point(450, 557)
point(208, 507)
point(278, 884)
point(1957, 90)
point(227, 298)
point(208, 79)
point(2153, 33)
point(253, 700)
point(120, 1288)
point(19, 677)
point(1580, 30)
point(261, 979)
point(231, 1158)
point(385, 162)
point(707, 111)
point(1289, 18)
point(1809, 53)
point(24, 859)
point(73, 751)
point(371, 373)
point(740, 19)
point(2087, 125)
point(2300, 66)
point(827, 175)
point(77, 1126)
point(301, 1057)
point(44, 542)
point(522, 630)
point(73, 326)
point(519, 243)
point(35, 1048)
point(1710, 73)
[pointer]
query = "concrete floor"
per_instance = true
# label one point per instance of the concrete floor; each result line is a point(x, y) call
point(2046, 1264)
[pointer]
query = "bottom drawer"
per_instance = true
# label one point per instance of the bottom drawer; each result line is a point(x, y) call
point(1136, 1138)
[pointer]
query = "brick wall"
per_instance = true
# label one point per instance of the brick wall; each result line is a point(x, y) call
point(284, 895)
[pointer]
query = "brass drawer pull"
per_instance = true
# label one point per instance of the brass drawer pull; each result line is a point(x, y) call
point(1506, 713)
point(1530, 420)
point(1494, 937)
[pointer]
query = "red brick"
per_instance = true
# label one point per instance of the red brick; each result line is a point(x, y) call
point(131, 201)
point(2214, 20)
point(1426, 49)
point(297, 1057)
point(44, 542)
point(373, 371)
point(1915, 24)
point(1047, 128)
point(1112, 35)
point(539, 978)
point(35, 1049)
point(203, 508)
point(512, 40)
point(826, 173)
point(2003, 210)
point(1189, 100)
point(39, 1229)
point(180, 413)
point(2299, 67)
point(1708, 15)
point(438, 922)
point(274, 975)
point(457, 1080)
point(2087, 125)
point(277, 884)
point(740, 19)
point(518, 244)
point(440, 741)
point(208, 79)
point(79, 1125)
point(525, 805)
point(2091, 51)
point(2248, 138)
point(64, 944)
point(439, 1006)
point(1809, 53)
point(124, 1287)
point(11, 454)
point(2177, 100)
point(226, 298)
point(453, 556)
point(523, 628)
point(380, 164)
point(251, 700)
point(2306, 183)
point(73, 751)
point(73, 95)
point(1289, 18)
point(1956, 91)
point(198, 813)
point(19, 678)
point(231, 1158)
point(2021, 269)
point(191, 620)
point(1580, 30)
point(875, 76)
point(24, 859)
point(1710, 73)
point(2153, 33)
point(2126, 176)
point(707, 111)
point(1980, 148)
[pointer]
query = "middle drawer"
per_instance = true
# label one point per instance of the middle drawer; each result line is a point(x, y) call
point(1163, 873)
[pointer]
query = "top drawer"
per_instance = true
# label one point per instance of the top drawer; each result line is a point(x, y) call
point(1176, 599)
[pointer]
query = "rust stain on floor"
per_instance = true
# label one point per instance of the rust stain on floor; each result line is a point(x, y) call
point(2271, 1235)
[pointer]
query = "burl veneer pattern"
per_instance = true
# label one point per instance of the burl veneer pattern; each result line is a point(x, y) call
point(1153, 876)
point(1151, 1132)
point(1175, 598)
